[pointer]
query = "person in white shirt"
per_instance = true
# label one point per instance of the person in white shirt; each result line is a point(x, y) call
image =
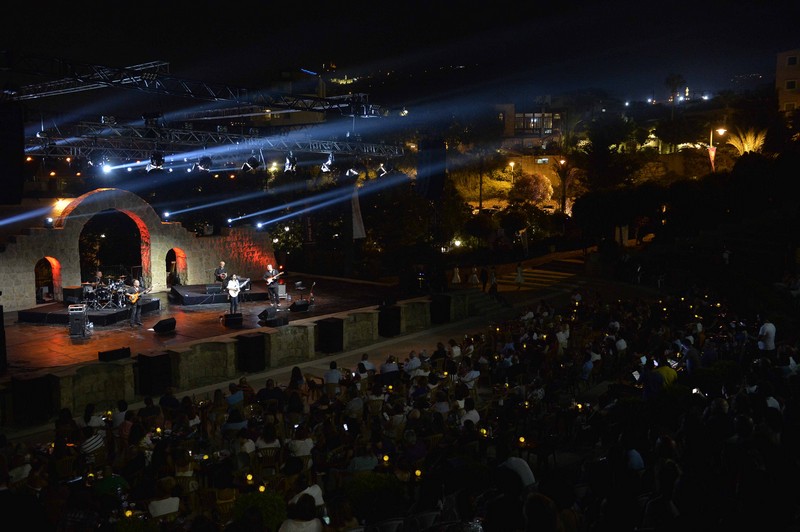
point(470, 377)
point(469, 412)
point(411, 363)
point(766, 338)
point(369, 366)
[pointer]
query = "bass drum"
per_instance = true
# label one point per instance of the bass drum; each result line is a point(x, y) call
point(103, 296)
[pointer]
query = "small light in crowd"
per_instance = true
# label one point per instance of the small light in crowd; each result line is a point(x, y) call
point(418, 473)
point(205, 457)
point(392, 388)
point(249, 478)
point(262, 488)
point(484, 432)
point(386, 458)
point(527, 404)
point(128, 513)
point(158, 430)
point(522, 440)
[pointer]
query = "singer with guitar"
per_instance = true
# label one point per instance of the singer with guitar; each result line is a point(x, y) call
point(271, 277)
point(134, 295)
point(234, 286)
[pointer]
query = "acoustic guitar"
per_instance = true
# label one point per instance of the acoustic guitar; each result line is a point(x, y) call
point(134, 297)
point(234, 291)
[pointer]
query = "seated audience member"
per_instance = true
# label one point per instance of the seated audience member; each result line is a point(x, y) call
point(165, 502)
point(302, 516)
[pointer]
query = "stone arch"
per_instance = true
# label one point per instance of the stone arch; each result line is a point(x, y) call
point(81, 209)
point(176, 266)
point(196, 256)
point(47, 273)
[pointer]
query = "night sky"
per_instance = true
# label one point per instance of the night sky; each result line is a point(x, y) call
point(513, 49)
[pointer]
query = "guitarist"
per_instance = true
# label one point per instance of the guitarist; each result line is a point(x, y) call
point(134, 294)
point(271, 277)
point(221, 274)
point(234, 286)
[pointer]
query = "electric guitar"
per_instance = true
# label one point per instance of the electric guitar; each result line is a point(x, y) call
point(235, 291)
point(271, 280)
point(134, 297)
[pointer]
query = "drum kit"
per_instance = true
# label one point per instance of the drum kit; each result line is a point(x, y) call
point(106, 295)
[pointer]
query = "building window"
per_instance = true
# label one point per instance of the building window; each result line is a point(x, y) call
point(791, 84)
point(791, 60)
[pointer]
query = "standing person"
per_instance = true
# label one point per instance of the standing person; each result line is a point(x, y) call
point(271, 277)
point(456, 280)
point(473, 277)
point(221, 273)
point(520, 275)
point(766, 339)
point(493, 282)
point(135, 294)
point(484, 278)
point(234, 287)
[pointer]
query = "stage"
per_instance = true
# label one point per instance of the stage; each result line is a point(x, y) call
point(209, 294)
point(59, 313)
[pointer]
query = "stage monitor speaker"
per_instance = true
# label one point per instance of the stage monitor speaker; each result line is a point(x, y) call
point(301, 305)
point(233, 320)
point(213, 289)
point(114, 354)
point(164, 326)
point(268, 314)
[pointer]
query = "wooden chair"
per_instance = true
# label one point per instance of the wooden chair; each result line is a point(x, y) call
point(268, 461)
point(65, 467)
point(374, 408)
point(223, 505)
point(189, 487)
point(315, 387)
point(331, 390)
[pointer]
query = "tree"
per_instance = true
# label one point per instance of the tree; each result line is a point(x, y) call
point(603, 158)
point(748, 141)
point(674, 82)
point(530, 189)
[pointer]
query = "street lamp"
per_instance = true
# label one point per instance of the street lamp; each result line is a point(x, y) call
point(563, 174)
point(511, 164)
point(711, 149)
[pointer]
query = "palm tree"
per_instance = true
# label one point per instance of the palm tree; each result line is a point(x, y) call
point(748, 141)
point(674, 82)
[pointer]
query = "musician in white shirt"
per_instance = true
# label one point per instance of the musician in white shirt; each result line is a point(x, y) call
point(233, 288)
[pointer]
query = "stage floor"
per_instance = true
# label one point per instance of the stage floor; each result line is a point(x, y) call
point(39, 339)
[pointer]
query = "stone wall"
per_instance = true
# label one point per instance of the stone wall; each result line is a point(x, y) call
point(246, 250)
point(202, 363)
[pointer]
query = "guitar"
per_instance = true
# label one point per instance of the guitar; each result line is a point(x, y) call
point(134, 297)
point(235, 291)
point(271, 280)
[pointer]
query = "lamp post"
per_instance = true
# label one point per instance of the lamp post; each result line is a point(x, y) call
point(563, 174)
point(711, 149)
point(511, 164)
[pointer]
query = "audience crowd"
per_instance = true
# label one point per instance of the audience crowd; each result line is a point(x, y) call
point(676, 413)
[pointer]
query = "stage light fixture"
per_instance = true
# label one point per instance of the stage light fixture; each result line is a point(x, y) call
point(326, 166)
point(291, 163)
point(251, 164)
point(205, 163)
point(156, 161)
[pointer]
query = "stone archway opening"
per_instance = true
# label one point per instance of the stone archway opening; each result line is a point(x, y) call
point(111, 241)
point(176, 267)
point(47, 273)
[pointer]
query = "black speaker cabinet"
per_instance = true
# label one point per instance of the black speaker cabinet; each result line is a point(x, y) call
point(233, 320)
point(154, 374)
point(330, 335)
point(440, 308)
point(301, 305)
point(389, 321)
point(35, 402)
point(268, 314)
point(165, 325)
point(213, 289)
point(114, 354)
point(250, 352)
